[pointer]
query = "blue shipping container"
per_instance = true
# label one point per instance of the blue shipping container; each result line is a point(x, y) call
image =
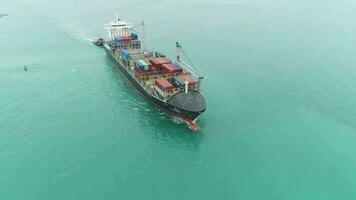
point(138, 64)
point(125, 55)
point(142, 65)
point(178, 82)
point(119, 39)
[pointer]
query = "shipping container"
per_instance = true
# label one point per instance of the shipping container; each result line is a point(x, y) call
point(158, 62)
point(125, 55)
point(126, 38)
point(138, 72)
point(153, 68)
point(170, 68)
point(142, 65)
point(119, 40)
point(163, 84)
point(134, 36)
point(187, 78)
point(180, 81)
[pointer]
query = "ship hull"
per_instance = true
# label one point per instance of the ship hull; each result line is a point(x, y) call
point(170, 109)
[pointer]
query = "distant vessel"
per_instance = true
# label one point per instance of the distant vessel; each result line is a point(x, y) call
point(99, 42)
point(174, 86)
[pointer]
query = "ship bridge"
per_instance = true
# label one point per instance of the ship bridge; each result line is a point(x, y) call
point(118, 28)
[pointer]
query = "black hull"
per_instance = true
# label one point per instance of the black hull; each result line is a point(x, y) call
point(170, 109)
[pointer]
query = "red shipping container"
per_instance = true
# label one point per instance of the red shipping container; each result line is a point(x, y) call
point(126, 39)
point(137, 72)
point(158, 62)
point(152, 68)
point(163, 84)
point(169, 68)
point(186, 78)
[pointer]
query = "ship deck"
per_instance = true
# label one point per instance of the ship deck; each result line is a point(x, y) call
point(147, 79)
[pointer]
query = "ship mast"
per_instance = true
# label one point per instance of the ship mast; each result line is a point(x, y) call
point(143, 36)
point(178, 48)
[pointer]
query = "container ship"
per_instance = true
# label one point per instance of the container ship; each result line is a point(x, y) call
point(170, 84)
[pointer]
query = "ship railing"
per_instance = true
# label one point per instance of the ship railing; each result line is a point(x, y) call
point(195, 74)
point(149, 76)
point(168, 93)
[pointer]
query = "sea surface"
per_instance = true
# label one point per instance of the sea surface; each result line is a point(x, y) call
point(280, 86)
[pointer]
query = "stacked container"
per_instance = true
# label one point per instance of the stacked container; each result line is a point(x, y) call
point(126, 39)
point(134, 36)
point(119, 40)
point(153, 69)
point(179, 81)
point(125, 55)
point(141, 65)
point(162, 86)
point(187, 78)
point(170, 68)
point(138, 72)
point(158, 62)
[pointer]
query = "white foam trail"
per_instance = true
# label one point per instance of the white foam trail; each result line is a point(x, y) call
point(177, 120)
point(88, 39)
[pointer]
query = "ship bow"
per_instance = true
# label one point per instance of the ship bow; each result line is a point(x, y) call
point(188, 105)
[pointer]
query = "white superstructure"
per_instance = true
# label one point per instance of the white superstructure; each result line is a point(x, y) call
point(118, 28)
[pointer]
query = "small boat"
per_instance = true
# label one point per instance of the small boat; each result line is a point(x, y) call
point(99, 42)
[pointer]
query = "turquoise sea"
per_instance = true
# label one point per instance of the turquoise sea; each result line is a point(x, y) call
point(280, 86)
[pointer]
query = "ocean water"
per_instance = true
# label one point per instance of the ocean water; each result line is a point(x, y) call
point(280, 86)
